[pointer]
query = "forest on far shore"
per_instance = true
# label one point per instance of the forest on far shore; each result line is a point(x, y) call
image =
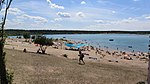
point(16, 32)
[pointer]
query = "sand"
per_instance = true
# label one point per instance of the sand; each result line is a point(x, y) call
point(19, 44)
point(32, 68)
point(53, 68)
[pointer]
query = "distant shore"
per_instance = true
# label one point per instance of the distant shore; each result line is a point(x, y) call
point(16, 32)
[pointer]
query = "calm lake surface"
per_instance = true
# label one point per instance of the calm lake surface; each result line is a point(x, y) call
point(121, 41)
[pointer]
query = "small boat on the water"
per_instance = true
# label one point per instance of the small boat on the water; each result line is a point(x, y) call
point(111, 39)
point(129, 46)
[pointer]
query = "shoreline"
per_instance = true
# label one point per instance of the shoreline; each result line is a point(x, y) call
point(138, 47)
point(106, 48)
point(104, 57)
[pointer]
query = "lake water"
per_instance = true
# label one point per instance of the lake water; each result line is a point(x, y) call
point(121, 41)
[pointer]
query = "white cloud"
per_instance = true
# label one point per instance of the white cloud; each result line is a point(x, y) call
point(83, 2)
point(13, 11)
point(64, 14)
point(22, 20)
point(129, 24)
point(54, 5)
point(129, 20)
point(80, 14)
point(99, 21)
point(106, 22)
point(21, 15)
point(147, 17)
point(58, 19)
point(113, 11)
point(126, 21)
point(35, 18)
point(134, 26)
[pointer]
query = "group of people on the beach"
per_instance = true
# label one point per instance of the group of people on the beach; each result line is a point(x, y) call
point(103, 53)
point(122, 54)
point(98, 51)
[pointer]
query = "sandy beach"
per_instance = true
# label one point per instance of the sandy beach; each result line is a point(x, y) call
point(20, 44)
point(75, 42)
point(96, 65)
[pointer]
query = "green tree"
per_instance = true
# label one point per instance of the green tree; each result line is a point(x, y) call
point(43, 41)
point(26, 35)
point(3, 72)
point(33, 37)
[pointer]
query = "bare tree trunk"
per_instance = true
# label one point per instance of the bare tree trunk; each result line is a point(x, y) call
point(3, 71)
point(148, 78)
point(2, 64)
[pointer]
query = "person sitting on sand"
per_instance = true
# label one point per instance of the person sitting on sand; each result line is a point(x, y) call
point(24, 50)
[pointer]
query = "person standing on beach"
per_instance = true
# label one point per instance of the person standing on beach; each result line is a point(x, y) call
point(81, 56)
point(97, 51)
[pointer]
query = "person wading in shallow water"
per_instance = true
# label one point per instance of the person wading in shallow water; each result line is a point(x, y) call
point(81, 56)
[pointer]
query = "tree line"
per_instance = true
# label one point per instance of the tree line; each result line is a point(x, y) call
point(14, 32)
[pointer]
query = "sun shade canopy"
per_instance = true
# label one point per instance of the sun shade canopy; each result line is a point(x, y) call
point(76, 45)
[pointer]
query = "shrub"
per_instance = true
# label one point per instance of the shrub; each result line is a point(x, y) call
point(62, 39)
point(19, 37)
point(56, 39)
point(33, 37)
point(26, 35)
point(43, 41)
point(9, 76)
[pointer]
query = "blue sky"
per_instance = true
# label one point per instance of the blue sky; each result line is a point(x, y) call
point(97, 15)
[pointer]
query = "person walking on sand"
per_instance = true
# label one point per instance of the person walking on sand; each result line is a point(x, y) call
point(81, 56)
